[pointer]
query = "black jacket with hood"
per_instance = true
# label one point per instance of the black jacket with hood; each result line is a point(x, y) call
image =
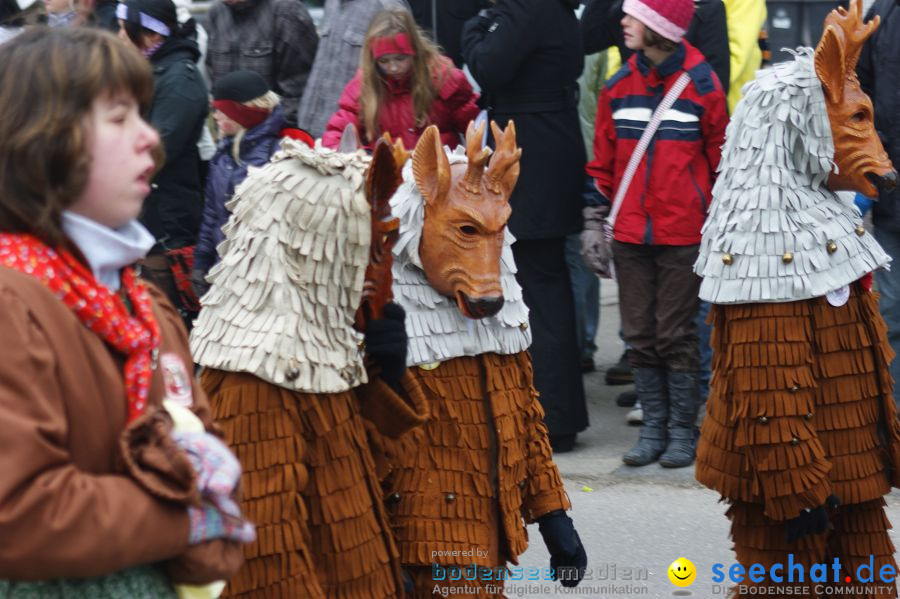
point(179, 108)
point(527, 56)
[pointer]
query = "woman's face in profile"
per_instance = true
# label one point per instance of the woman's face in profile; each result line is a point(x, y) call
point(120, 143)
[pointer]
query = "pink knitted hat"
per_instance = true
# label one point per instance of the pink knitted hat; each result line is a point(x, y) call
point(669, 18)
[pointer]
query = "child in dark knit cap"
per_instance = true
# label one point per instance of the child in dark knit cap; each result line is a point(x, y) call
point(251, 124)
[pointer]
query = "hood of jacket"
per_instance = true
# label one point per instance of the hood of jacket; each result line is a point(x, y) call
point(173, 50)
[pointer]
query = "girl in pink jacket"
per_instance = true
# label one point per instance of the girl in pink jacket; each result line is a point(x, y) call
point(403, 85)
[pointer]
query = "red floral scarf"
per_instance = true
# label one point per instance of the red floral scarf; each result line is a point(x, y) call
point(98, 308)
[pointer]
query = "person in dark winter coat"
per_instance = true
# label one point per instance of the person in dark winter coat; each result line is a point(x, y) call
point(403, 86)
point(178, 111)
point(250, 121)
point(527, 56)
point(879, 75)
point(275, 38)
point(444, 20)
point(708, 32)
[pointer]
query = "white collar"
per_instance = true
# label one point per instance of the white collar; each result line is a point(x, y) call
point(107, 250)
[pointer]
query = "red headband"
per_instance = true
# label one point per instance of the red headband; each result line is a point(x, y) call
point(247, 117)
point(394, 44)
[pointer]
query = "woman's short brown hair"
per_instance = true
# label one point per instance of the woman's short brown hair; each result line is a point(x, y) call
point(49, 80)
point(655, 40)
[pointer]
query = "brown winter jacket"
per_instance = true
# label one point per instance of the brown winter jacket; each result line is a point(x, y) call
point(68, 507)
point(484, 453)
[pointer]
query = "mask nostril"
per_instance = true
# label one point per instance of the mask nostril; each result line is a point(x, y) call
point(885, 182)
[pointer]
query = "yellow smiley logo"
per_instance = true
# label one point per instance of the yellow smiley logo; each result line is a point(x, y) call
point(682, 572)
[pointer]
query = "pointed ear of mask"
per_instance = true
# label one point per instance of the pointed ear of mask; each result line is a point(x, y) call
point(349, 139)
point(382, 179)
point(431, 168)
point(398, 149)
point(829, 62)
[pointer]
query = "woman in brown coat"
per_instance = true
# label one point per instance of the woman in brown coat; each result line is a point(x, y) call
point(97, 498)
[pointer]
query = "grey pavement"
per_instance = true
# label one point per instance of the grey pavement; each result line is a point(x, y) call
point(634, 522)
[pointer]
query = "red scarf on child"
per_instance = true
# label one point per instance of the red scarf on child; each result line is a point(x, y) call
point(98, 308)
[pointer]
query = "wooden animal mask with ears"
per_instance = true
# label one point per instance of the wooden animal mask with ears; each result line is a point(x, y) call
point(861, 161)
point(466, 210)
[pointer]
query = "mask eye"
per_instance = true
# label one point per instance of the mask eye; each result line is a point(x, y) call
point(468, 230)
point(859, 116)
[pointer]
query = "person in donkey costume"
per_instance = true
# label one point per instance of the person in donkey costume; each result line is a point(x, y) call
point(286, 376)
point(481, 468)
point(801, 435)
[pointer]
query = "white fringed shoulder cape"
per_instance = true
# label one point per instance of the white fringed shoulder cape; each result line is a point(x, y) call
point(772, 215)
point(286, 290)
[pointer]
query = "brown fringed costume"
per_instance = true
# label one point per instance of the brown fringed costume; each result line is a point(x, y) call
point(287, 382)
point(481, 468)
point(309, 486)
point(801, 412)
point(469, 476)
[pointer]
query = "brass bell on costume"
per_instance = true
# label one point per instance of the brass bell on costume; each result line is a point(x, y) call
point(787, 258)
point(860, 230)
point(728, 259)
point(831, 246)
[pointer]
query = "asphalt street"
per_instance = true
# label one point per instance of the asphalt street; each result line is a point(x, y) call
point(634, 522)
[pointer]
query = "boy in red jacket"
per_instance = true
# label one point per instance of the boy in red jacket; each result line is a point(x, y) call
point(657, 233)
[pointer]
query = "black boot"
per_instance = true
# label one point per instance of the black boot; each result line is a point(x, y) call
point(620, 373)
point(684, 401)
point(650, 384)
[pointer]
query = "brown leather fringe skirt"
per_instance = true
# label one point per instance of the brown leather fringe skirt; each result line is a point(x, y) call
point(309, 486)
point(801, 407)
point(859, 538)
point(466, 482)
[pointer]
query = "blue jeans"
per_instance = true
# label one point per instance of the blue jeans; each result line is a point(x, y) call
point(703, 333)
point(888, 283)
point(586, 289)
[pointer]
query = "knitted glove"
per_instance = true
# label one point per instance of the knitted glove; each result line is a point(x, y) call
point(595, 241)
point(198, 282)
point(218, 471)
point(208, 522)
point(567, 556)
point(386, 343)
point(810, 521)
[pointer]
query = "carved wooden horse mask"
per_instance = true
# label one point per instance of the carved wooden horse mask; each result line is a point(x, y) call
point(862, 163)
point(466, 209)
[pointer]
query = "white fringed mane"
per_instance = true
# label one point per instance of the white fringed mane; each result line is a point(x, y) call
point(284, 295)
point(437, 329)
point(771, 199)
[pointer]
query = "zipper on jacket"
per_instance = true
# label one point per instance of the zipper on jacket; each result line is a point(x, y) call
point(648, 228)
point(697, 187)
